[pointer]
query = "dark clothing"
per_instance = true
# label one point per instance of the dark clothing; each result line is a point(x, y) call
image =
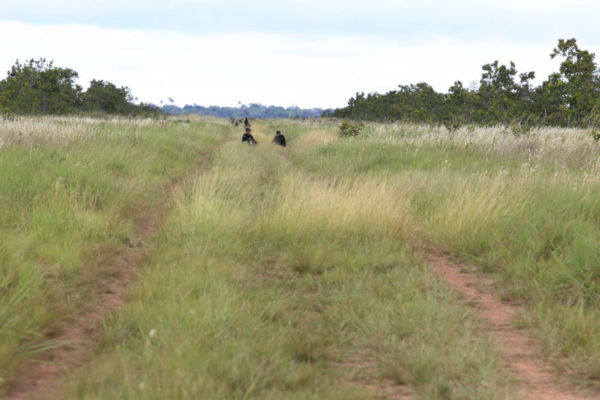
point(280, 140)
point(246, 123)
point(246, 137)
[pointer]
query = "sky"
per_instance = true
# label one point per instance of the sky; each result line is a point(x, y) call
point(306, 53)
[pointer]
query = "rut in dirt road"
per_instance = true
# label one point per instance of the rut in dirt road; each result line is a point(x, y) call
point(535, 378)
point(115, 270)
point(77, 335)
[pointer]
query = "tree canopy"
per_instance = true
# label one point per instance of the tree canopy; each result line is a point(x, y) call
point(38, 87)
point(569, 97)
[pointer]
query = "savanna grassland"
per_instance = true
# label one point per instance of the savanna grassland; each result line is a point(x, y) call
point(298, 272)
point(71, 192)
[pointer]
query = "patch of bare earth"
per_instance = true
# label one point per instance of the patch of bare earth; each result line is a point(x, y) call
point(535, 377)
point(105, 279)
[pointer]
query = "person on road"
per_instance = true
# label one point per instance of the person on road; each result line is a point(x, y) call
point(279, 139)
point(248, 138)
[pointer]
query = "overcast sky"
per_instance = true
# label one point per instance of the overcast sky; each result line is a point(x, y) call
point(308, 53)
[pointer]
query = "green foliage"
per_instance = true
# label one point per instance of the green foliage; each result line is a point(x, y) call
point(349, 129)
point(37, 87)
point(519, 128)
point(452, 123)
point(566, 98)
point(106, 97)
point(8, 116)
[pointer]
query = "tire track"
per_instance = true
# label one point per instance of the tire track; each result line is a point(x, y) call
point(535, 377)
point(115, 269)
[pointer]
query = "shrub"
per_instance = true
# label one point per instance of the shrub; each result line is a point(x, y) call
point(348, 128)
point(521, 128)
point(452, 124)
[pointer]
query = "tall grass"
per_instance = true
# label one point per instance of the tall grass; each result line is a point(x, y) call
point(523, 208)
point(70, 189)
point(295, 272)
point(557, 148)
point(273, 283)
point(540, 236)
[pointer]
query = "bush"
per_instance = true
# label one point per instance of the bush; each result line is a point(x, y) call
point(521, 128)
point(348, 128)
point(452, 124)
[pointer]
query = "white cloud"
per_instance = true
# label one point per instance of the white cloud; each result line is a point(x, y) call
point(271, 69)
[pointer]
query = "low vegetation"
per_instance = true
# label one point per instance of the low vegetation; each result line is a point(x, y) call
point(70, 190)
point(350, 129)
point(522, 208)
point(271, 282)
point(299, 272)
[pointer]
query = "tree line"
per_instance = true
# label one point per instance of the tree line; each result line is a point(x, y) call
point(253, 110)
point(568, 98)
point(38, 87)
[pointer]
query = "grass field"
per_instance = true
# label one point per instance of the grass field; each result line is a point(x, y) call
point(298, 272)
point(70, 190)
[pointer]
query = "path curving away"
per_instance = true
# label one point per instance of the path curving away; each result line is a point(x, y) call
point(535, 377)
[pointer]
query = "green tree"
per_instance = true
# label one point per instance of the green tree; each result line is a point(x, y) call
point(458, 106)
point(503, 99)
point(576, 88)
point(570, 97)
point(106, 97)
point(37, 87)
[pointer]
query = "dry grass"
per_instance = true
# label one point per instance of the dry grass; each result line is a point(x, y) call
point(566, 148)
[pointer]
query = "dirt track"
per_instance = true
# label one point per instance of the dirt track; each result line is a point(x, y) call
point(77, 335)
point(114, 271)
point(535, 377)
point(80, 333)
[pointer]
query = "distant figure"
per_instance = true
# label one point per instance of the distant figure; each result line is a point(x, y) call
point(279, 139)
point(248, 138)
point(246, 123)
